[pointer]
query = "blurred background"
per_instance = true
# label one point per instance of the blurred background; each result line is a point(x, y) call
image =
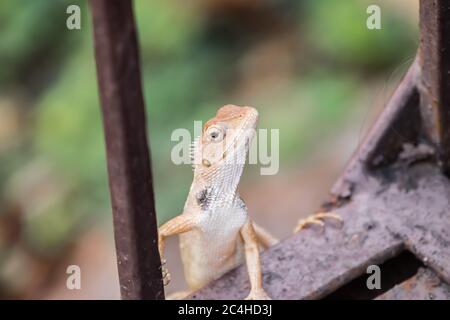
point(312, 68)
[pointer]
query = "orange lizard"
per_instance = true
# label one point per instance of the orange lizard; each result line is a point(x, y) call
point(216, 233)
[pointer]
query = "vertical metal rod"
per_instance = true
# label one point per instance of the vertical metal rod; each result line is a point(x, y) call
point(129, 170)
point(434, 55)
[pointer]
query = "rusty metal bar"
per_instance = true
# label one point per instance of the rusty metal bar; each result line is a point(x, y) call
point(312, 264)
point(129, 170)
point(434, 57)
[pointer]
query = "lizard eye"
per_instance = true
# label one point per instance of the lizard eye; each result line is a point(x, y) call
point(215, 134)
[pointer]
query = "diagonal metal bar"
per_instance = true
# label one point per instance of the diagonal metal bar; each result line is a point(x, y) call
point(399, 123)
point(129, 170)
point(434, 57)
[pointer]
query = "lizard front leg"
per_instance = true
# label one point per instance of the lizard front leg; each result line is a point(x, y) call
point(182, 223)
point(253, 263)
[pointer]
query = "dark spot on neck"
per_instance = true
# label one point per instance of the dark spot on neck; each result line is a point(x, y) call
point(203, 198)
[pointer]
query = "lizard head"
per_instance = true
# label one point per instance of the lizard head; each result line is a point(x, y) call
point(224, 142)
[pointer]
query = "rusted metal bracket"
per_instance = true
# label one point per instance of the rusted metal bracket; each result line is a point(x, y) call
point(434, 56)
point(130, 176)
point(404, 208)
point(394, 194)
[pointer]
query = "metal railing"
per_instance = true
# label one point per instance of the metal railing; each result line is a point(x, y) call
point(129, 170)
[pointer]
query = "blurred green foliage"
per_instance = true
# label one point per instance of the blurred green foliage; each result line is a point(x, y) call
point(186, 78)
point(33, 41)
point(337, 28)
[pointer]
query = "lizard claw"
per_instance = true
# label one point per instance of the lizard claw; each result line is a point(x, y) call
point(258, 295)
point(317, 219)
point(165, 273)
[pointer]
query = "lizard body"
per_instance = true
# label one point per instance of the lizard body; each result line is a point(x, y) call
point(216, 234)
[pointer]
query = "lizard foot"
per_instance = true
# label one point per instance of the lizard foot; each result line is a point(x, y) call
point(165, 273)
point(317, 220)
point(258, 295)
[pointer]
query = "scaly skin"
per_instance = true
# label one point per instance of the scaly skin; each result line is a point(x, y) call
point(216, 233)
